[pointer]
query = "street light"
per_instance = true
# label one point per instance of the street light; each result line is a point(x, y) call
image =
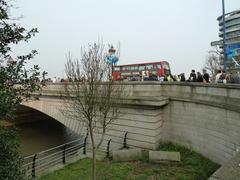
point(224, 37)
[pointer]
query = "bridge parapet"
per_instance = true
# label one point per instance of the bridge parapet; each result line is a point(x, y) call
point(219, 95)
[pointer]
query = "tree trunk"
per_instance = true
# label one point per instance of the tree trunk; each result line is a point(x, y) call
point(93, 154)
point(94, 163)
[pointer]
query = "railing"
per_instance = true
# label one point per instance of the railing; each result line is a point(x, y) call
point(42, 161)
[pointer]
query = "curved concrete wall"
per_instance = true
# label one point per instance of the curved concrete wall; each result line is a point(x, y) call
point(212, 131)
point(204, 117)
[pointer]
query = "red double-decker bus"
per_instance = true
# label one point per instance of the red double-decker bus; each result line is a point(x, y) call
point(141, 71)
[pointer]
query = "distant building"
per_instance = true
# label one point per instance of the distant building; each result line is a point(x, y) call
point(232, 24)
point(232, 20)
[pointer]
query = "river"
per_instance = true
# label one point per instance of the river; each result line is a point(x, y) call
point(43, 134)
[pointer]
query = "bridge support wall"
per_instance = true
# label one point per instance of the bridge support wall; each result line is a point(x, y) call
point(212, 131)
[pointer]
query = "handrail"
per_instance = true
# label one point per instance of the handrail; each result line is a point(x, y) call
point(42, 161)
point(42, 152)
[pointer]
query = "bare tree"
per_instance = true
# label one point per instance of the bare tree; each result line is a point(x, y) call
point(91, 96)
point(213, 62)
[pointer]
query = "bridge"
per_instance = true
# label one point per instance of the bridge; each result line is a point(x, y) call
point(203, 117)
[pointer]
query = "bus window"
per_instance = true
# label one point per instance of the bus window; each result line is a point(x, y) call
point(141, 68)
point(158, 66)
point(149, 66)
point(116, 68)
point(126, 74)
point(132, 68)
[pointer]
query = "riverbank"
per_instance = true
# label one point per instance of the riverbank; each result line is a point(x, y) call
point(192, 166)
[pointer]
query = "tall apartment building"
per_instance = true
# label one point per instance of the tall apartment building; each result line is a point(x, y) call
point(232, 28)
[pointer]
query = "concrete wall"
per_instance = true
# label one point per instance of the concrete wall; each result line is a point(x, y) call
point(212, 131)
point(204, 117)
point(143, 127)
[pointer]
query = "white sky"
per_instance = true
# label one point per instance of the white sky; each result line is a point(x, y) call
point(178, 31)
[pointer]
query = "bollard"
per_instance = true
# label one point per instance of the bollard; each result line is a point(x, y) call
point(33, 166)
point(108, 147)
point(125, 141)
point(64, 154)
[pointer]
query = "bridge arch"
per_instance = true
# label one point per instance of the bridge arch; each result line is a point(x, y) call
point(52, 108)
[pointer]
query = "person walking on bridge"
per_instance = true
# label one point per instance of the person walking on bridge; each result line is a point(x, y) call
point(206, 77)
point(193, 76)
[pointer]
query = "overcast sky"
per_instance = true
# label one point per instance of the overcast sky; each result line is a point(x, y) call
point(178, 31)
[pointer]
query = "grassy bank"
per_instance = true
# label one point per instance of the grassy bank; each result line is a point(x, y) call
point(192, 166)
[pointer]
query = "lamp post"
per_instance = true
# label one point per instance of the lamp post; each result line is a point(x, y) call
point(224, 37)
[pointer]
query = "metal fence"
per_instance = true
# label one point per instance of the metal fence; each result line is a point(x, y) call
point(42, 161)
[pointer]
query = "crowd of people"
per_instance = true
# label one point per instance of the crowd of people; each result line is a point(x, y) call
point(221, 77)
point(204, 77)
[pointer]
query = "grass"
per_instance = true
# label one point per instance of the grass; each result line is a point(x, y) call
point(193, 166)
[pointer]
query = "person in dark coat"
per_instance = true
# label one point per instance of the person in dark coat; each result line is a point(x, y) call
point(199, 77)
point(234, 77)
point(182, 77)
point(206, 77)
point(193, 76)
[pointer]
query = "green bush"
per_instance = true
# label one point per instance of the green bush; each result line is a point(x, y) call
point(10, 158)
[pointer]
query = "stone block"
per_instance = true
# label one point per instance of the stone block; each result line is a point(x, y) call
point(162, 156)
point(127, 154)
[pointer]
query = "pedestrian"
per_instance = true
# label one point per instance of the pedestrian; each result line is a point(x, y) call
point(234, 77)
point(217, 78)
point(54, 79)
point(193, 76)
point(206, 76)
point(169, 78)
point(199, 77)
point(182, 77)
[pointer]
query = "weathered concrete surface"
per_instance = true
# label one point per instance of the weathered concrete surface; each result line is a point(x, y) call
point(228, 171)
point(161, 156)
point(211, 131)
point(127, 154)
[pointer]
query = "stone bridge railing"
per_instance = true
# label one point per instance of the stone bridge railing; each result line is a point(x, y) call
point(225, 96)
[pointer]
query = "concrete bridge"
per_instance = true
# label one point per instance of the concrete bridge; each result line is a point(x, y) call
point(203, 117)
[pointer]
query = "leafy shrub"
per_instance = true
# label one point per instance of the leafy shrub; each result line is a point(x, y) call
point(10, 158)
